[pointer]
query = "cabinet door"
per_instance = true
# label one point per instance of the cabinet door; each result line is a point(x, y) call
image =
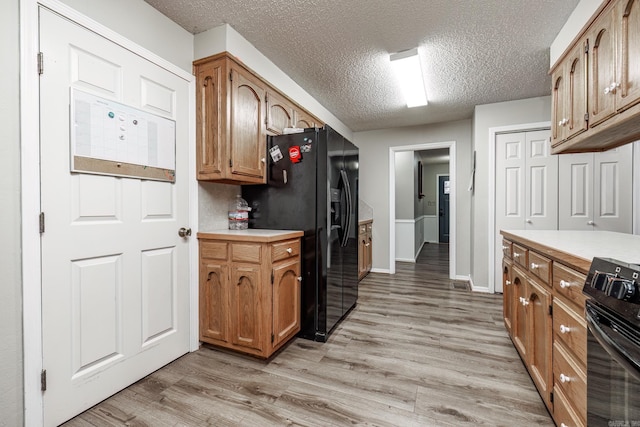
point(286, 300)
point(602, 75)
point(245, 307)
point(210, 96)
point(576, 96)
point(369, 249)
point(247, 134)
point(304, 120)
point(628, 18)
point(519, 328)
point(213, 301)
point(508, 301)
point(362, 252)
point(558, 101)
point(540, 339)
point(279, 113)
point(612, 183)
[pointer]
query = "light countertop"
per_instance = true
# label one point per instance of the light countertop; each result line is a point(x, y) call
point(251, 234)
point(584, 245)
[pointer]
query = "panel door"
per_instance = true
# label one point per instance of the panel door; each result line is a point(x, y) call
point(246, 307)
point(214, 300)
point(575, 205)
point(248, 138)
point(508, 301)
point(540, 341)
point(115, 281)
point(286, 300)
point(613, 185)
point(628, 16)
point(602, 69)
point(541, 190)
point(520, 332)
point(558, 102)
point(576, 96)
point(279, 113)
point(210, 102)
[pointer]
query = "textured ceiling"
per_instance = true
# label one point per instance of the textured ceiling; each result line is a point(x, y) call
point(473, 51)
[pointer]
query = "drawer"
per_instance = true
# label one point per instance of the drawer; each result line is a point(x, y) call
point(569, 283)
point(571, 329)
point(520, 256)
point(506, 248)
point(213, 250)
point(570, 377)
point(563, 413)
point(540, 267)
point(284, 250)
point(362, 229)
point(246, 252)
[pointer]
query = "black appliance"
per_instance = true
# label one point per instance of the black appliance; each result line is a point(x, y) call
point(312, 185)
point(613, 343)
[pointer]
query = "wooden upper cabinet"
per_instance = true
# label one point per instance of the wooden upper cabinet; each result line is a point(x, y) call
point(247, 132)
point(235, 111)
point(279, 113)
point(210, 112)
point(628, 14)
point(603, 83)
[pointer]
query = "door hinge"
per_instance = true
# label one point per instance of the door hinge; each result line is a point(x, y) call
point(550, 310)
point(272, 277)
point(586, 47)
point(43, 380)
point(272, 338)
point(40, 63)
point(230, 76)
point(586, 117)
point(230, 163)
point(551, 397)
point(41, 222)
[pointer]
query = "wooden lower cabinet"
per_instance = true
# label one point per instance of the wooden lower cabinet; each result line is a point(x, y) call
point(365, 248)
point(249, 290)
point(544, 316)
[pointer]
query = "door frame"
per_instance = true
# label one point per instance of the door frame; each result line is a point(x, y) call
point(438, 203)
point(493, 132)
point(451, 145)
point(30, 189)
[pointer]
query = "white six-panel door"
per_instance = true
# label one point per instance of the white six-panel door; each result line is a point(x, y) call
point(115, 281)
point(596, 191)
point(526, 187)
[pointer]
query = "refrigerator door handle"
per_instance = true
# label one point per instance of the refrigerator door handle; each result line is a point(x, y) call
point(347, 219)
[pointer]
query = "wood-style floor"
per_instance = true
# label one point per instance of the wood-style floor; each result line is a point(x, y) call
point(418, 350)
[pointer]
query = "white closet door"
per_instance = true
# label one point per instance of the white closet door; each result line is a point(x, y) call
point(541, 190)
point(575, 207)
point(613, 186)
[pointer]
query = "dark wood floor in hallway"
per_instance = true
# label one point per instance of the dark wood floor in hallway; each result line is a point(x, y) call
point(418, 350)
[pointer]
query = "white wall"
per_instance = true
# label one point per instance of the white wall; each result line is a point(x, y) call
point(530, 110)
point(577, 20)
point(11, 389)
point(226, 38)
point(404, 185)
point(374, 181)
point(142, 24)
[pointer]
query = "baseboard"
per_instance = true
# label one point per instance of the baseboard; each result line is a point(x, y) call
point(412, 260)
point(381, 270)
point(479, 289)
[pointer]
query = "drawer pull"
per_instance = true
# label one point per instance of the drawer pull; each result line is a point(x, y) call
point(299, 278)
point(563, 425)
point(504, 248)
point(367, 244)
point(507, 282)
point(524, 301)
point(534, 266)
point(516, 255)
point(564, 329)
point(564, 284)
point(289, 251)
point(564, 378)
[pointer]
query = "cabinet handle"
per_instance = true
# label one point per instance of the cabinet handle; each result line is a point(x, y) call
point(299, 278)
point(516, 255)
point(564, 284)
point(367, 244)
point(504, 248)
point(534, 266)
point(564, 378)
point(263, 160)
point(563, 425)
point(289, 251)
point(611, 89)
point(524, 301)
point(564, 329)
point(507, 282)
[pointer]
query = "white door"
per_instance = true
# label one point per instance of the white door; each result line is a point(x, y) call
point(115, 281)
point(526, 187)
point(596, 190)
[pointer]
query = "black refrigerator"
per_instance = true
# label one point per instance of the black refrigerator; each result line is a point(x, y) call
point(312, 185)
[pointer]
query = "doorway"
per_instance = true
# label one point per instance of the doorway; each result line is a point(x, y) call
point(451, 146)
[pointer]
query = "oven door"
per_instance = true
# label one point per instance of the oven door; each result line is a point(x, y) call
point(613, 369)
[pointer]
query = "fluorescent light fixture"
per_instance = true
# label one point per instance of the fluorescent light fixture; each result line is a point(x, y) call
point(406, 65)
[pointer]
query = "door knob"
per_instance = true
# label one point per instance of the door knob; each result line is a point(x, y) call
point(184, 232)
